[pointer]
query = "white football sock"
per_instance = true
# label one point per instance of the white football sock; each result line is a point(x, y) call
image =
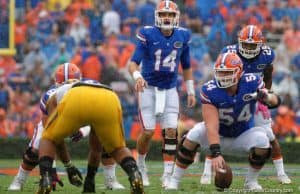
point(252, 174)
point(54, 164)
point(207, 166)
point(109, 171)
point(178, 172)
point(168, 168)
point(141, 159)
point(278, 163)
point(22, 174)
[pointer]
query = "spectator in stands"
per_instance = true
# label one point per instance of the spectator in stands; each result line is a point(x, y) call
point(6, 126)
point(146, 13)
point(78, 30)
point(132, 19)
point(111, 21)
point(7, 64)
point(35, 52)
point(6, 94)
point(61, 57)
point(288, 87)
point(284, 123)
point(191, 16)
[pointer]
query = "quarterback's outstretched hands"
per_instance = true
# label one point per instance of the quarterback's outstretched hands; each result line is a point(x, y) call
point(140, 84)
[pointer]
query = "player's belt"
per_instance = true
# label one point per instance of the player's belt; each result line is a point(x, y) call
point(98, 85)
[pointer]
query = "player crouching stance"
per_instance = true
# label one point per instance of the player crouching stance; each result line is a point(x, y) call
point(228, 108)
point(78, 104)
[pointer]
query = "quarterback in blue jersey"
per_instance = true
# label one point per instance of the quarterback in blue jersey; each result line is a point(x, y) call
point(159, 50)
point(257, 58)
point(228, 107)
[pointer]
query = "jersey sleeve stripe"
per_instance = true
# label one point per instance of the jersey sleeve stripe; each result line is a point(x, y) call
point(204, 98)
point(141, 37)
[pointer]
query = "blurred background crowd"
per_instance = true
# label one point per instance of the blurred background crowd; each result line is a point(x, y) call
point(99, 37)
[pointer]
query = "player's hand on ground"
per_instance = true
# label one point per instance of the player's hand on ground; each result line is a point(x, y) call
point(74, 176)
point(217, 162)
point(140, 84)
point(76, 136)
point(191, 101)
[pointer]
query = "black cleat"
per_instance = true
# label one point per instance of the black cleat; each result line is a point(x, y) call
point(136, 183)
point(45, 185)
point(89, 185)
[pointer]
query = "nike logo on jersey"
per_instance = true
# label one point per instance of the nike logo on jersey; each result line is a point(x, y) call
point(156, 43)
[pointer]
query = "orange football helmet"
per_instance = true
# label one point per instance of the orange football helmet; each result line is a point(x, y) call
point(250, 41)
point(67, 71)
point(228, 69)
point(167, 15)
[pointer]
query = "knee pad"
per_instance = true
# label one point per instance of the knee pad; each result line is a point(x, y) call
point(257, 161)
point(184, 155)
point(169, 145)
point(30, 158)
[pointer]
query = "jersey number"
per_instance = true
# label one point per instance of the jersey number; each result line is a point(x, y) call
point(169, 61)
point(226, 118)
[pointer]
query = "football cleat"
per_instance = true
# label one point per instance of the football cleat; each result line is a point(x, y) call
point(165, 180)
point(16, 185)
point(111, 183)
point(205, 179)
point(253, 186)
point(284, 179)
point(89, 186)
point(173, 184)
point(136, 183)
point(45, 185)
point(143, 169)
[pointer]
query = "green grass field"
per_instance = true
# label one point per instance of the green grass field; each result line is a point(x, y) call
point(190, 183)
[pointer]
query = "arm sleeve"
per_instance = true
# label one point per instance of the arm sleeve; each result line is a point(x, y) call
point(185, 56)
point(141, 47)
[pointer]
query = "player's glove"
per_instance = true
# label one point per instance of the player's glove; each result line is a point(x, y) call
point(55, 179)
point(76, 136)
point(74, 175)
point(262, 95)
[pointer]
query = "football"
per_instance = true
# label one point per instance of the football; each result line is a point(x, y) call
point(223, 178)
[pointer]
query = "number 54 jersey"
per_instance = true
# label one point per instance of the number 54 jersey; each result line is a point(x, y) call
point(160, 55)
point(236, 113)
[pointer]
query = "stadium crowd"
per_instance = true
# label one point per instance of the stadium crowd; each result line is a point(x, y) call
point(99, 37)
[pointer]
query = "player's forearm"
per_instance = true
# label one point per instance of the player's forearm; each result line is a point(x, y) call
point(268, 76)
point(189, 81)
point(211, 119)
point(62, 152)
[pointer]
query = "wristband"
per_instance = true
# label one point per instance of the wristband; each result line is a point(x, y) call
point(215, 150)
point(136, 75)
point(190, 87)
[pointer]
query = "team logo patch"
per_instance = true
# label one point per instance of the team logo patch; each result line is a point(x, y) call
point(178, 44)
point(261, 66)
point(248, 97)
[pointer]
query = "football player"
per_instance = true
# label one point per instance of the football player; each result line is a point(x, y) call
point(228, 108)
point(30, 157)
point(160, 49)
point(257, 58)
point(77, 104)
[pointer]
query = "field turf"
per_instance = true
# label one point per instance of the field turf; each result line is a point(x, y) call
point(190, 183)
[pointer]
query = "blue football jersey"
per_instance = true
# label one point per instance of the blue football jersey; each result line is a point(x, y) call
point(258, 63)
point(160, 55)
point(236, 113)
